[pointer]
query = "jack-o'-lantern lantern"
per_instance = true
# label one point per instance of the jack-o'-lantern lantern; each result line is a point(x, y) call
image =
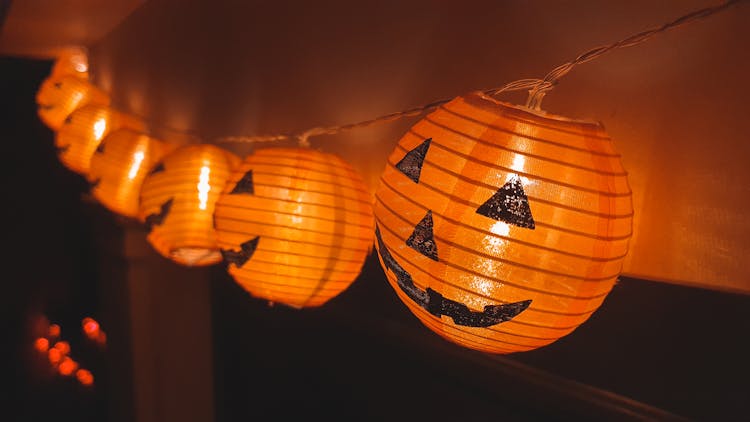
point(501, 228)
point(83, 131)
point(57, 97)
point(177, 202)
point(118, 168)
point(294, 225)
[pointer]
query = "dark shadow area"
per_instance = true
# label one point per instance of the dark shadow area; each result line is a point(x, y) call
point(51, 269)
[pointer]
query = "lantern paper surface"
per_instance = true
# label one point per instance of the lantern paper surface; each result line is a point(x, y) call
point(71, 62)
point(295, 225)
point(502, 229)
point(83, 131)
point(119, 166)
point(177, 202)
point(57, 97)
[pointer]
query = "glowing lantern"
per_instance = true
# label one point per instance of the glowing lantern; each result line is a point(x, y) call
point(502, 229)
point(85, 377)
point(54, 331)
point(63, 347)
point(59, 96)
point(54, 356)
point(71, 62)
point(294, 225)
point(41, 344)
point(177, 203)
point(119, 166)
point(83, 131)
point(67, 366)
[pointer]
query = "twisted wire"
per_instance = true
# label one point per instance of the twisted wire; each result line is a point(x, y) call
point(538, 88)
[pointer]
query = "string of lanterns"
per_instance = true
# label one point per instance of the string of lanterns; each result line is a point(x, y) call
point(501, 227)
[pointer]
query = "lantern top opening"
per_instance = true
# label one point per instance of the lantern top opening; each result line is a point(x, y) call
point(540, 117)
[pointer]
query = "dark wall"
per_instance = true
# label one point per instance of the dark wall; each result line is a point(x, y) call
point(365, 356)
point(51, 263)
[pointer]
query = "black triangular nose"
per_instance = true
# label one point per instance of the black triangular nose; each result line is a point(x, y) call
point(411, 164)
point(509, 204)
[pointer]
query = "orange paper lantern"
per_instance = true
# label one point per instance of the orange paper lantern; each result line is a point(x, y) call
point(502, 229)
point(119, 166)
point(177, 203)
point(83, 131)
point(294, 225)
point(57, 97)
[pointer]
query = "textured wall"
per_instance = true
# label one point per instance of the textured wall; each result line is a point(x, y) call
point(675, 106)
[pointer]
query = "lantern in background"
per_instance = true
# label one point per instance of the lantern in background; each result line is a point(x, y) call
point(177, 202)
point(294, 225)
point(502, 229)
point(71, 62)
point(59, 96)
point(119, 166)
point(83, 131)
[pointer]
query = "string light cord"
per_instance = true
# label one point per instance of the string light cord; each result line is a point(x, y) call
point(538, 88)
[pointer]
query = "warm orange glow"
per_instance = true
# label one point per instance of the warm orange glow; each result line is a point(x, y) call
point(120, 166)
point(41, 344)
point(100, 125)
point(183, 190)
point(101, 338)
point(59, 96)
point(54, 356)
point(54, 331)
point(84, 131)
point(67, 366)
point(71, 62)
point(90, 327)
point(85, 377)
point(63, 347)
point(305, 220)
point(488, 204)
point(203, 187)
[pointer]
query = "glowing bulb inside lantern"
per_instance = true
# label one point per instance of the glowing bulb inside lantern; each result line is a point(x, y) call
point(99, 127)
point(519, 162)
point(137, 160)
point(203, 187)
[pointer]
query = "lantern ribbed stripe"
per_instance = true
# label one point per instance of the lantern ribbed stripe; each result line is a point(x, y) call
point(85, 129)
point(561, 305)
point(58, 97)
point(311, 215)
point(192, 178)
point(563, 252)
point(565, 221)
point(120, 167)
point(73, 62)
point(490, 165)
point(479, 234)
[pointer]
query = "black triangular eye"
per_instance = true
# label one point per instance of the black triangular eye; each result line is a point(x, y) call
point(246, 251)
point(100, 148)
point(158, 218)
point(68, 120)
point(509, 204)
point(244, 185)
point(157, 168)
point(411, 164)
point(422, 239)
point(58, 85)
